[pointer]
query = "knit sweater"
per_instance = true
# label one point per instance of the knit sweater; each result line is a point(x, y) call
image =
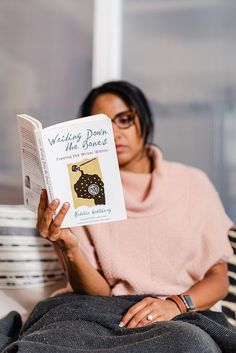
point(175, 231)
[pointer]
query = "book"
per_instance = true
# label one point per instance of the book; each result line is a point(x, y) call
point(76, 162)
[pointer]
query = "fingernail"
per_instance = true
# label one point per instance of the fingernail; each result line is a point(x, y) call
point(56, 201)
point(66, 205)
point(121, 324)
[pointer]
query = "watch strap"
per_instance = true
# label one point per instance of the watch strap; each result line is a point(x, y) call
point(179, 302)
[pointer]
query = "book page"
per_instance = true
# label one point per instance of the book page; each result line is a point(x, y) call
point(83, 168)
point(31, 166)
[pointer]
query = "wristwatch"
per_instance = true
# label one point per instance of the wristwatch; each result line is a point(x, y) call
point(187, 302)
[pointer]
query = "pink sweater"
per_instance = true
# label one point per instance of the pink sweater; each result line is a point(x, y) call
point(176, 229)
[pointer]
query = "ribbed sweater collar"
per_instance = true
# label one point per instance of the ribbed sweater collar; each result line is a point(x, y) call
point(147, 194)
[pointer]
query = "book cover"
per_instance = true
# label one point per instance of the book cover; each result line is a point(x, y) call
point(79, 165)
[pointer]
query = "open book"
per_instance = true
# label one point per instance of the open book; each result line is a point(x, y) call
point(76, 162)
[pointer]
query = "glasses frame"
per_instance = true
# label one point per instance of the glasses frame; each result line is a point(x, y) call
point(131, 113)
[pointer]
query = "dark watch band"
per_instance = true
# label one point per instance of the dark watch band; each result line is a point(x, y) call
point(190, 306)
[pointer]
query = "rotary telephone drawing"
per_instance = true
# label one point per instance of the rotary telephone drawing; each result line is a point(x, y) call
point(89, 186)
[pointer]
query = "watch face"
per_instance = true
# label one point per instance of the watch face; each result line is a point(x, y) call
point(188, 302)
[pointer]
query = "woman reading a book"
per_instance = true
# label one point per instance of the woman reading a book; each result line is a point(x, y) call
point(163, 265)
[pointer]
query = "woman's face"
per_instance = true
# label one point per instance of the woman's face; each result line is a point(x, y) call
point(129, 142)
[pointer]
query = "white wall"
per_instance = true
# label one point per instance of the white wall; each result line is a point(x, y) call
point(45, 68)
point(182, 54)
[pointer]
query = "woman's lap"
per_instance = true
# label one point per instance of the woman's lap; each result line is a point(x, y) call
point(75, 323)
point(185, 337)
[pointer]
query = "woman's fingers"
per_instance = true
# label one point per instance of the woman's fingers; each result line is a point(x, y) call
point(47, 226)
point(46, 219)
point(55, 227)
point(141, 318)
point(41, 207)
point(134, 310)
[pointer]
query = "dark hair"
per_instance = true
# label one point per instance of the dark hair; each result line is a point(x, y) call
point(132, 96)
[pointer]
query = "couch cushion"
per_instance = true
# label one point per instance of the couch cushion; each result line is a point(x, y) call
point(26, 260)
point(29, 268)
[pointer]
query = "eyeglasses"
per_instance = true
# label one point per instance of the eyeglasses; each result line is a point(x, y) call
point(124, 119)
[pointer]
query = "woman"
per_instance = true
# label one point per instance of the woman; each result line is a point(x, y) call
point(170, 255)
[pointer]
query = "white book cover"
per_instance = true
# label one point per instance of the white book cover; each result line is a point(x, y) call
point(77, 162)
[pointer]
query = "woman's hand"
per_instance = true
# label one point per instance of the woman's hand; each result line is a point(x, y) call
point(82, 275)
point(50, 228)
point(159, 309)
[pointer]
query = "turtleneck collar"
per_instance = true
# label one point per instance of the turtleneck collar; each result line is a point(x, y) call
point(147, 194)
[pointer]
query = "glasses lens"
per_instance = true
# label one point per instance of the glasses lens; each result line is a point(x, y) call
point(124, 119)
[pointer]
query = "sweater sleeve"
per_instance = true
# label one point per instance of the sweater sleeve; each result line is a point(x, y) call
point(214, 242)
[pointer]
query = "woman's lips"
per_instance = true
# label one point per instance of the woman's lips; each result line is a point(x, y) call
point(120, 148)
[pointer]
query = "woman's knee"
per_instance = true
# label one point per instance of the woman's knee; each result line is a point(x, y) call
point(189, 338)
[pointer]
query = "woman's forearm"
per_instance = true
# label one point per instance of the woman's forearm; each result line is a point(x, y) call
point(82, 276)
point(212, 288)
point(84, 279)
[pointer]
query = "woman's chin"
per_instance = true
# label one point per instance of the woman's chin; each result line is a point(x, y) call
point(123, 160)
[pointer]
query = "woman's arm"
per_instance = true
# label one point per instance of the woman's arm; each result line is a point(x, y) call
point(212, 288)
point(83, 277)
point(204, 294)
